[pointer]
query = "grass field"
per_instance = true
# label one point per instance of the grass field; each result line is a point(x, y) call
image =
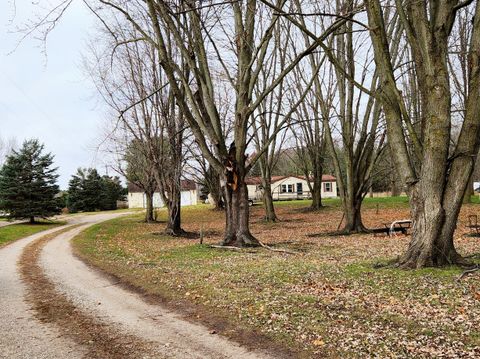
point(326, 300)
point(17, 231)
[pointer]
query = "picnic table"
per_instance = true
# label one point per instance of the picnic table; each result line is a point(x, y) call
point(393, 228)
point(473, 224)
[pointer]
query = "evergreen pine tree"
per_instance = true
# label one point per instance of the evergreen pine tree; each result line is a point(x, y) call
point(88, 191)
point(93, 191)
point(113, 191)
point(28, 183)
point(75, 192)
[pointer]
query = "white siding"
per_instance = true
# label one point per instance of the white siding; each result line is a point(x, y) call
point(135, 200)
point(292, 188)
point(188, 198)
point(138, 200)
point(332, 192)
point(254, 192)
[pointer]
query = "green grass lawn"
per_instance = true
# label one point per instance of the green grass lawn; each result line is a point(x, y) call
point(383, 202)
point(327, 300)
point(21, 230)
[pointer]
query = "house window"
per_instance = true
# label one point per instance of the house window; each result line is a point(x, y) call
point(327, 186)
point(287, 188)
point(290, 188)
point(284, 188)
point(300, 188)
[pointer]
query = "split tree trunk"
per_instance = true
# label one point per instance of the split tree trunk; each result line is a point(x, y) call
point(237, 228)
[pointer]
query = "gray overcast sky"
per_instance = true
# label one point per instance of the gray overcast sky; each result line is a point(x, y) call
point(50, 98)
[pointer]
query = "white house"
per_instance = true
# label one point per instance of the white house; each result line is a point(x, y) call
point(137, 199)
point(290, 187)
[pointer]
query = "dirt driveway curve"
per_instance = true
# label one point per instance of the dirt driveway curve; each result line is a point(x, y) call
point(117, 309)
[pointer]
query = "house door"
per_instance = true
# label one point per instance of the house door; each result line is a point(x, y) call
point(299, 189)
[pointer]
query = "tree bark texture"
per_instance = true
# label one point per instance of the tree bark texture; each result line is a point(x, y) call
point(317, 190)
point(237, 226)
point(149, 212)
point(437, 188)
point(237, 230)
point(353, 216)
point(270, 215)
point(174, 227)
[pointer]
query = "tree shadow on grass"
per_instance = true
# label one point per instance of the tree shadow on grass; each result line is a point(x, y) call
point(312, 210)
point(189, 235)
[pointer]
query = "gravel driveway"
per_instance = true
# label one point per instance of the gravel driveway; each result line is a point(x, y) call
point(113, 307)
point(8, 223)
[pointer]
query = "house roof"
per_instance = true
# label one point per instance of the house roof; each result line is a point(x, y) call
point(186, 185)
point(258, 180)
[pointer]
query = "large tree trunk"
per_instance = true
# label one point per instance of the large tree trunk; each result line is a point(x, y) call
point(317, 191)
point(432, 238)
point(149, 215)
point(237, 229)
point(270, 215)
point(353, 217)
point(436, 193)
point(467, 198)
point(174, 214)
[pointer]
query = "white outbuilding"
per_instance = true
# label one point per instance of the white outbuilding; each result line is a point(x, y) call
point(137, 198)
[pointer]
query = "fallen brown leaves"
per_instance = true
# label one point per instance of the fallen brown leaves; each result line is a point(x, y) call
point(327, 300)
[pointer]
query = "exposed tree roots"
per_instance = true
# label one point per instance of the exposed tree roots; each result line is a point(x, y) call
point(277, 249)
point(174, 232)
point(467, 272)
point(240, 240)
point(418, 260)
point(245, 248)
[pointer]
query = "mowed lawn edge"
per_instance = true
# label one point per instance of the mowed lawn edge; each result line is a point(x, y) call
point(328, 300)
point(14, 232)
point(186, 304)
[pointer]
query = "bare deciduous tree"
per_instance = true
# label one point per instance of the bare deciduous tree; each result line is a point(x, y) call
point(207, 37)
point(437, 185)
